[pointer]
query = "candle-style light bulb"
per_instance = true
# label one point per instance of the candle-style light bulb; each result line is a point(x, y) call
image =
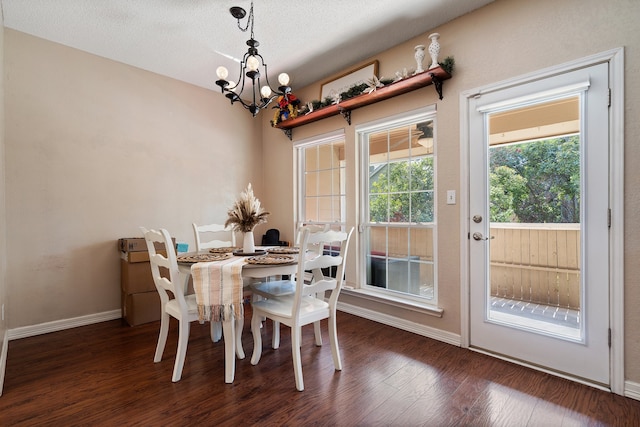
point(222, 73)
point(265, 91)
point(252, 63)
point(283, 78)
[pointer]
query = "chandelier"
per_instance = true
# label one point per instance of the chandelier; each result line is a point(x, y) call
point(257, 96)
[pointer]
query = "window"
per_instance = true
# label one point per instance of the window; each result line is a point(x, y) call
point(321, 181)
point(398, 210)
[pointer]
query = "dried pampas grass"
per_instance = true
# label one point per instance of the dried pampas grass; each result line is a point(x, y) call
point(246, 212)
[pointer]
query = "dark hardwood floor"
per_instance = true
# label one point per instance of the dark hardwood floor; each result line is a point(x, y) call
point(104, 375)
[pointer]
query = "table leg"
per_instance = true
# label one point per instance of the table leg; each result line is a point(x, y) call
point(239, 327)
point(228, 329)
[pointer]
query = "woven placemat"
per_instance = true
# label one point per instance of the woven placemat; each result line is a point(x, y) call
point(222, 250)
point(271, 259)
point(283, 250)
point(193, 258)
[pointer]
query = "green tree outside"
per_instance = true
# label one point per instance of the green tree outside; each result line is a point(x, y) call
point(536, 182)
point(402, 191)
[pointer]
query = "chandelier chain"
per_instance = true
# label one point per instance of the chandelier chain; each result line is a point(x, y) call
point(249, 22)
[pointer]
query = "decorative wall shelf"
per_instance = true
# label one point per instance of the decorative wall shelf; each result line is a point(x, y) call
point(433, 76)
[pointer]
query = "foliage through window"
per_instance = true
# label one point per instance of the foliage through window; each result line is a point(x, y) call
point(536, 181)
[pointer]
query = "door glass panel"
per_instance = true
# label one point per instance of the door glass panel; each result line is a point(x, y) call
point(534, 206)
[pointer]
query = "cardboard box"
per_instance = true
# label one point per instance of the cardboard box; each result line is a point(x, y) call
point(141, 308)
point(138, 244)
point(135, 272)
point(135, 277)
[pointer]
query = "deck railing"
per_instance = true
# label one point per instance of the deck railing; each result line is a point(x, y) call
point(538, 263)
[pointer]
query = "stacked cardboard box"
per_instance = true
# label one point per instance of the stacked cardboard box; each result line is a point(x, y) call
point(140, 299)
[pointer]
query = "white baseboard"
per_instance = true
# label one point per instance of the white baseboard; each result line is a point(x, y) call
point(405, 325)
point(3, 358)
point(59, 325)
point(632, 390)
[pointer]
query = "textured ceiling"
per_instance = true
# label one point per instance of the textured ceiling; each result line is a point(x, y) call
point(188, 39)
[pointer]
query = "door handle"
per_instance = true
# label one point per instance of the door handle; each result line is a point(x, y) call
point(479, 236)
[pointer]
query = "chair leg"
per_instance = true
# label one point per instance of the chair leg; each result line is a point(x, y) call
point(257, 337)
point(275, 341)
point(216, 331)
point(318, 333)
point(297, 360)
point(162, 337)
point(333, 338)
point(183, 340)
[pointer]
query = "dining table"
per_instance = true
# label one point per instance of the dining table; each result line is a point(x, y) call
point(219, 279)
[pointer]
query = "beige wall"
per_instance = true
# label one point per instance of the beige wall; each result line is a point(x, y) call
point(505, 39)
point(3, 226)
point(95, 149)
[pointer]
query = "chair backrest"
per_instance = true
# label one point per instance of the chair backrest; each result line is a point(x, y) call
point(213, 236)
point(167, 280)
point(318, 263)
point(271, 237)
point(313, 228)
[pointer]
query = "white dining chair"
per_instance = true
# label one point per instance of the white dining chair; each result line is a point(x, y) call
point(213, 236)
point(307, 304)
point(173, 300)
point(278, 288)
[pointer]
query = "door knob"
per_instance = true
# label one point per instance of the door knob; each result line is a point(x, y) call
point(477, 219)
point(479, 236)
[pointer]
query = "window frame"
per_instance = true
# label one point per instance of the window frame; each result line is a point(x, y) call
point(362, 132)
point(300, 178)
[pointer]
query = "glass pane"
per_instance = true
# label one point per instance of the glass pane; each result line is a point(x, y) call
point(427, 281)
point(324, 182)
point(424, 141)
point(311, 184)
point(422, 243)
point(311, 159)
point(422, 207)
point(422, 174)
point(399, 142)
point(325, 209)
point(399, 207)
point(378, 147)
point(378, 208)
point(376, 257)
point(335, 181)
point(398, 242)
point(378, 178)
point(534, 209)
point(311, 209)
point(325, 156)
point(398, 176)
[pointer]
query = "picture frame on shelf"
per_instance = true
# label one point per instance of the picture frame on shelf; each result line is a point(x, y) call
point(352, 77)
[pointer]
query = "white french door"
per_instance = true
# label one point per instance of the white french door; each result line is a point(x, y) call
point(538, 222)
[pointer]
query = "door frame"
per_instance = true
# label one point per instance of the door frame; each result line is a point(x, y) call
point(615, 58)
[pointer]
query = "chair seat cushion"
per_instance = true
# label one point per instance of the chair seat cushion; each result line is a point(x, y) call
point(283, 306)
point(276, 288)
